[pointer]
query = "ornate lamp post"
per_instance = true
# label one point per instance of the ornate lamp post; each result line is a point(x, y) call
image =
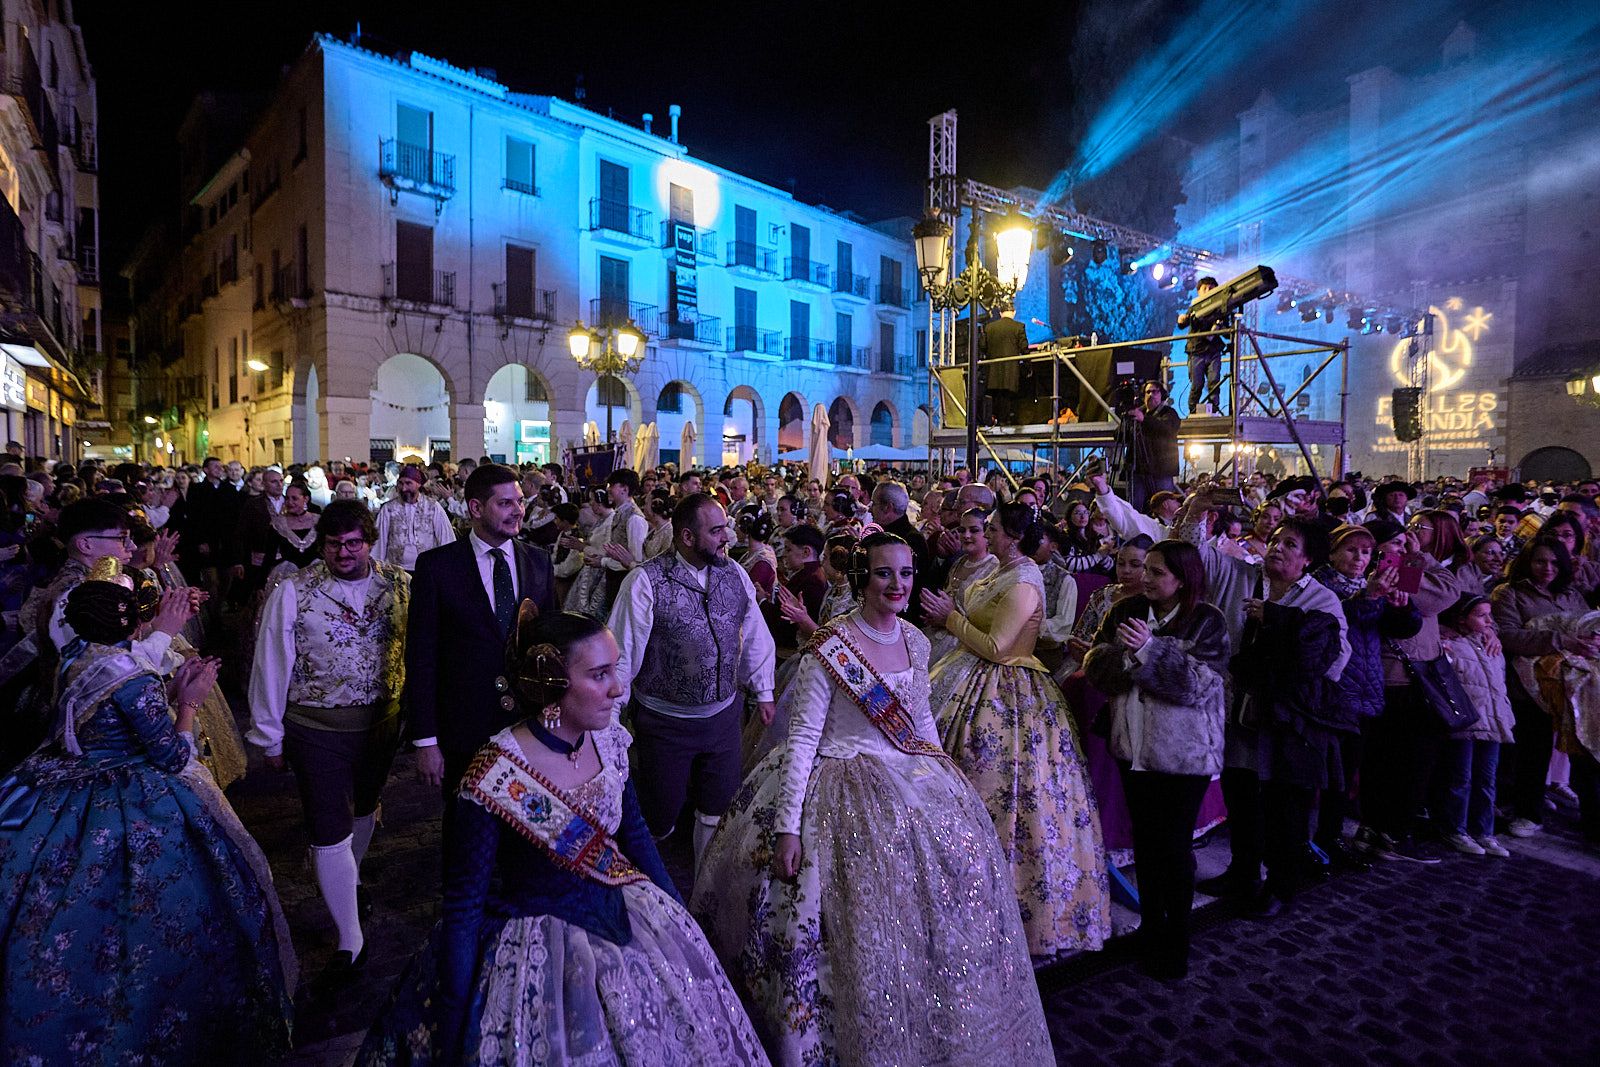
point(1585, 387)
point(609, 352)
point(976, 288)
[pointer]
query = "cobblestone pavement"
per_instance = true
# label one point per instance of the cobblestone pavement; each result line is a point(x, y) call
point(1465, 962)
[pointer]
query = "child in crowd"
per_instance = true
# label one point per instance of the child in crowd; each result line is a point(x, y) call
point(1471, 756)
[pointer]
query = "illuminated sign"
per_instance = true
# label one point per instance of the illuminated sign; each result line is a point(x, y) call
point(13, 384)
point(1449, 421)
point(1452, 352)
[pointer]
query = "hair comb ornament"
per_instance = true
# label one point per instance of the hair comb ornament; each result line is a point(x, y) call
point(109, 569)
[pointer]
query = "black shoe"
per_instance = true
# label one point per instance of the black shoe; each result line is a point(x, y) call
point(1228, 884)
point(1266, 904)
point(1341, 857)
point(1409, 851)
point(363, 902)
point(340, 974)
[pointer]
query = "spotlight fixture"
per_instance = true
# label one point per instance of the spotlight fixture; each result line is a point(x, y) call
point(1327, 312)
point(1354, 321)
point(1097, 251)
point(1130, 266)
point(1309, 312)
point(1393, 324)
point(1285, 302)
point(1377, 325)
point(1158, 270)
point(1187, 281)
point(1170, 280)
point(1061, 250)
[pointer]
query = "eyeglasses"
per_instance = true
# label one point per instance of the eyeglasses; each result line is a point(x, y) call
point(124, 539)
point(349, 546)
point(1420, 527)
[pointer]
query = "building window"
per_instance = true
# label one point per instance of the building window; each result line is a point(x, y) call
point(680, 202)
point(413, 126)
point(302, 281)
point(671, 399)
point(276, 369)
point(519, 166)
point(520, 278)
point(301, 138)
point(233, 370)
point(261, 286)
point(413, 260)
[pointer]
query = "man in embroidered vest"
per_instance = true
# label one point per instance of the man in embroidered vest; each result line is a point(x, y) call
point(692, 641)
point(411, 523)
point(325, 696)
point(625, 542)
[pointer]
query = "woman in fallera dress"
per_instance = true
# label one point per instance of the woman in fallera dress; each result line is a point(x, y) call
point(856, 889)
point(975, 564)
point(139, 922)
point(563, 940)
point(1003, 720)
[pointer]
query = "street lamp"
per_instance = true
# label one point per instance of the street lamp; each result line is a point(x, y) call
point(608, 352)
point(975, 288)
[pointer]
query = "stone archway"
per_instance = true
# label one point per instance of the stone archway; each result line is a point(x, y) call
point(1554, 463)
point(791, 422)
point(842, 423)
point(743, 415)
point(921, 426)
point(882, 425)
point(410, 416)
point(621, 397)
point(679, 402)
point(519, 419)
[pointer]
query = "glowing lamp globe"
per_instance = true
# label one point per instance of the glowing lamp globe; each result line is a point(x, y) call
point(932, 238)
point(578, 341)
point(629, 340)
point(1013, 242)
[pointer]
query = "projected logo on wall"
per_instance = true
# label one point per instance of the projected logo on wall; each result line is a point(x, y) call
point(1452, 351)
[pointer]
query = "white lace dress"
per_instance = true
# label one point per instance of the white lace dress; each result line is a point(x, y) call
point(900, 942)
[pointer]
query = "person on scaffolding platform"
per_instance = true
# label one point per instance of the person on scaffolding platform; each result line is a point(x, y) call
point(1154, 455)
point(1204, 353)
point(1003, 337)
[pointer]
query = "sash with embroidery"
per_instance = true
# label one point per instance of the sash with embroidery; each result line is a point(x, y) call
point(511, 790)
point(852, 673)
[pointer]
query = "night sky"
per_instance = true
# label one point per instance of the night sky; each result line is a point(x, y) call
point(830, 101)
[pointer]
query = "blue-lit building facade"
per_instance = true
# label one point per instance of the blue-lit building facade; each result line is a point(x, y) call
point(388, 259)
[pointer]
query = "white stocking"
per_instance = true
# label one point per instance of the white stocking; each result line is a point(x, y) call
point(336, 877)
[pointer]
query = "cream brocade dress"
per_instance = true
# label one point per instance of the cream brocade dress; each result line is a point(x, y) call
point(1005, 722)
point(963, 575)
point(899, 942)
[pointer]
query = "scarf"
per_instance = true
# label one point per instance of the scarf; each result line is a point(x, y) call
point(1339, 582)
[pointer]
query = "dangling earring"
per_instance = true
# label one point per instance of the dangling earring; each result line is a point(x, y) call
point(552, 716)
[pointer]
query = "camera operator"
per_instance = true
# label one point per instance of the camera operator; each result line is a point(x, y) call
point(1155, 446)
point(1204, 353)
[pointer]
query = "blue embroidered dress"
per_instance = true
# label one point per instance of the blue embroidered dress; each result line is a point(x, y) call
point(536, 964)
point(139, 922)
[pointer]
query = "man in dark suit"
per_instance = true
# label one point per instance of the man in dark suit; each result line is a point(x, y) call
point(254, 531)
point(1003, 337)
point(464, 599)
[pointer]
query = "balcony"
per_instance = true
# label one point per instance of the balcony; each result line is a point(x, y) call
point(516, 185)
point(749, 341)
point(534, 305)
point(27, 290)
point(620, 219)
point(407, 285)
point(700, 330)
point(903, 364)
point(751, 258)
point(705, 241)
point(85, 150)
point(852, 286)
point(416, 169)
point(289, 286)
point(807, 272)
point(23, 81)
point(611, 314)
point(894, 296)
point(807, 349)
point(88, 264)
point(856, 357)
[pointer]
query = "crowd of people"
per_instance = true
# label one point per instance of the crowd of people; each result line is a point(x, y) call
point(909, 728)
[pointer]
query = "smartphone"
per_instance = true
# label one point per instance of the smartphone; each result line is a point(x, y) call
point(1410, 578)
point(1225, 496)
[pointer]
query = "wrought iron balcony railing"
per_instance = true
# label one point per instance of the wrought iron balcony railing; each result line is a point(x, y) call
point(746, 255)
point(894, 296)
point(891, 362)
point(610, 314)
point(23, 81)
point(619, 217)
point(807, 270)
point(702, 329)
point(288, 283)
point(538, 305)
point(417, 168)
point(748, 339)
point(856, 285)
point(436, 287)
point(857, 356)
point(705, 241)
point(809, 349)
point(517, 185)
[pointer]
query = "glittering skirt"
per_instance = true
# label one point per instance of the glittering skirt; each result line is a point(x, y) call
point(138, 926)
point(549, 992)
point(897, 944)
point(1009, 729)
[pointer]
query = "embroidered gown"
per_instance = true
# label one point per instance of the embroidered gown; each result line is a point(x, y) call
point(899, 942)
point(536, 964)
point(962, 576)
point(1004, 721)
point(140, 921)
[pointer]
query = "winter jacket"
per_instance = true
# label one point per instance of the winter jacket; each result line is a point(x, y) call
point(1440, 589)
point(1516, 605)
point(1484, 678)
point(1168, 702)
point(1280, 671)
point(1369, 622)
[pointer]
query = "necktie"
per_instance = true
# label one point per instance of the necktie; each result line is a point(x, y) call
point(505, 601)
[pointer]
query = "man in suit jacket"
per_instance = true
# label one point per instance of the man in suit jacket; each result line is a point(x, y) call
point(464, 599)
point(209, 536)
point(254, 531)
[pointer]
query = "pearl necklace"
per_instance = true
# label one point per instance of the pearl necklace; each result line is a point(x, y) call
point(877, 636)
